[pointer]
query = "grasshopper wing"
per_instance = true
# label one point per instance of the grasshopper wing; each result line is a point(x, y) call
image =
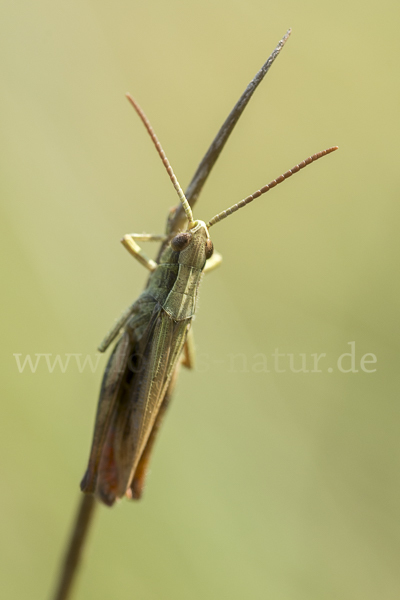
point(148, 373)
point(117, 377)
point(139, 478)
point(111, 386)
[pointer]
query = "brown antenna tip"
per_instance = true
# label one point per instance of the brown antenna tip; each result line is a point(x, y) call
point(270, 185)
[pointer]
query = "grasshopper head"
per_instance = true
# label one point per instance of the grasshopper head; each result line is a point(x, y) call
point(198, 230)
point(194, 245)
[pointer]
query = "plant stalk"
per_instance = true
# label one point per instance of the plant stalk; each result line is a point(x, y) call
point(73, 555)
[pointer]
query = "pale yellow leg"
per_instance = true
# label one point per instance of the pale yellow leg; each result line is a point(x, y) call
point(148, 237)
point(213, 262)
point(189, 354)
point(133, 248)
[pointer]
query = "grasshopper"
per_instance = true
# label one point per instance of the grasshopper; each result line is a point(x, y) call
point(154, 340)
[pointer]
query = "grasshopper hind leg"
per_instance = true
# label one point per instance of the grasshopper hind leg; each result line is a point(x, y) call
point(114, 331)
point(135, 491)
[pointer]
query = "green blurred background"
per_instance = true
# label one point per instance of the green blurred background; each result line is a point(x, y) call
point(263, 485)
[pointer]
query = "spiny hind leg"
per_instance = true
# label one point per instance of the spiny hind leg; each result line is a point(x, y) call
point(114, 331)
point(136, 488)
point(133, 248)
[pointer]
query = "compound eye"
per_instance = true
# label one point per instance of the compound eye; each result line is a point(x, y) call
point(180, 241)
point(209, 249)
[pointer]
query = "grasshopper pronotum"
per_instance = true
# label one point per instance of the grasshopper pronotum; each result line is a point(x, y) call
point(154, 340)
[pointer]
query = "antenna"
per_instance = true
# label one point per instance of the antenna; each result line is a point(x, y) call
point(175, 182)
point(266, 188)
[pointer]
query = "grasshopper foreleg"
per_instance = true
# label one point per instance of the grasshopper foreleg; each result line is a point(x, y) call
point(133, 248)
point(213, 262)
point(148, 237)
